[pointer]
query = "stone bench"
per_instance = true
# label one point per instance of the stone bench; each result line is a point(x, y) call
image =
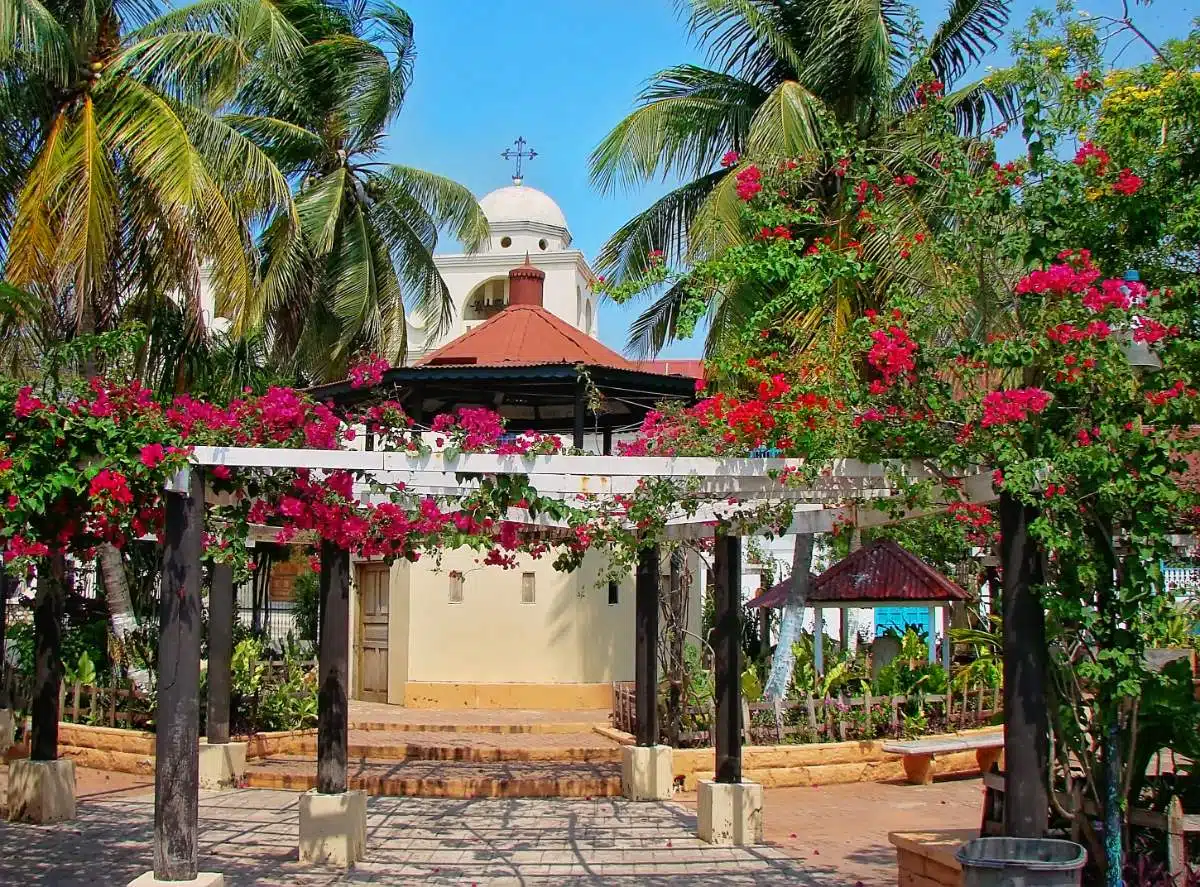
point(919, 754)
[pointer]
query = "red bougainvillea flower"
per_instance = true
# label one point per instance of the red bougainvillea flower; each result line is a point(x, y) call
point(1127, 184)
point(369, 372)
point(1089, 152)
point(892, 352)
point(26, 404)
point(1012, 405)
point(730, 158)
point(152, 455)
point(749, 182)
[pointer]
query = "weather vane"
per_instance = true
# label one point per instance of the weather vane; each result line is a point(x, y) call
point(518, 156)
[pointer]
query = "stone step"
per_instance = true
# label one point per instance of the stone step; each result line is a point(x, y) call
point(582, 748)
point(481, 726)
point(450, 779)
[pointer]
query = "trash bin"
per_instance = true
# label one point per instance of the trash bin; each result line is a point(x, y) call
point(1021, 862)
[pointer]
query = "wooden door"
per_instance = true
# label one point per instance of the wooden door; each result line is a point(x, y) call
point(373, 587)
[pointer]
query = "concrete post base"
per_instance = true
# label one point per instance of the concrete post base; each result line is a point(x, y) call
point(222, 765)
point(202, 879)
point(646, 772)
point(7, 723)
point(730, 814)
point(333, 828)
point(41, 791)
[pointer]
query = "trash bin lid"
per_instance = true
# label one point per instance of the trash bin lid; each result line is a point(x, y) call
point(1030, 854)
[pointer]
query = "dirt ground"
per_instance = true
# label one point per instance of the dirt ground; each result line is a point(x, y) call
point(841, 831)
point(88, 784)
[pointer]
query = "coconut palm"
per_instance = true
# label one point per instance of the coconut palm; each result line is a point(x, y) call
point(369, 227)
point(117, 181)
point(784, 76)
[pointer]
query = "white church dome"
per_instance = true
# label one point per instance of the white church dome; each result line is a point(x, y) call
point(520, 203)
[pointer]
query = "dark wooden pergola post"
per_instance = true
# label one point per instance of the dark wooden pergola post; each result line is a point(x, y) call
point(220, 652)
point(333, 670)
point(176, 747)
point(1026, 720)
point(646, 646)
point(48, 605)
point(727, 640)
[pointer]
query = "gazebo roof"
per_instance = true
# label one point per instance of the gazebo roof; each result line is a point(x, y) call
point(525, 335)
point(776, 596)
point(880, 572)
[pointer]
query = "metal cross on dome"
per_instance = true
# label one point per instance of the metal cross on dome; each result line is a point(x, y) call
point(519, 156)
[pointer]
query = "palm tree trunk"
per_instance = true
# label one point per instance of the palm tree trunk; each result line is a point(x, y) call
point(793, 619)
point(121, 615)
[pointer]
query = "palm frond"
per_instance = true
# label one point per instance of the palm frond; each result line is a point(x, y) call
point(31, 35)
point(447, 203)
point(788, 123)
point(409, 233)
point(666, 225)
point(690, 117)
point(320, 208)
point(85, 202)
point(966, 36)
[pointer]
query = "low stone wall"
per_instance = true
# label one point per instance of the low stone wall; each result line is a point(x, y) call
point(283, 742)
point(926, 859)
point(107, 748)
point(827, 763)
point(132, 751)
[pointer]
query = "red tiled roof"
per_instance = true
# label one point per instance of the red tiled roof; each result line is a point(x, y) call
point(693, 369)
point(776, 596)
point(883, 571)
point(525, 335)
point(879, 572)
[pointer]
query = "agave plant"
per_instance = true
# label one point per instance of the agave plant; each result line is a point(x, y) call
point(785, 77)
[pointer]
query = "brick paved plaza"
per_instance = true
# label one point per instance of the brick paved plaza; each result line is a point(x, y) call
point(250, 836)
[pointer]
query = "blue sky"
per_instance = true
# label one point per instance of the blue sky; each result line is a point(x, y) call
point(562, 73)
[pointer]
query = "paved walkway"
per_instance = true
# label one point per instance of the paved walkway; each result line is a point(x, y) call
point(250, 836)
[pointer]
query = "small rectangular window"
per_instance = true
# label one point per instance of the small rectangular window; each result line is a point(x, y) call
point(456, 588)
point(528, 588)
point(614, 592)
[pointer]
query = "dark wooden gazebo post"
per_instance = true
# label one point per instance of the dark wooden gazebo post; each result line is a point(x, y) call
point(42, 788)
point(177, 740)
point(646, 647)
point(333, 820)
point(730, 809)
point(647, 773)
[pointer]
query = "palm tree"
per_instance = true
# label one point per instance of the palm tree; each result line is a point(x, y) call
point(369, 227)
point(117, 182)
point(784, 76)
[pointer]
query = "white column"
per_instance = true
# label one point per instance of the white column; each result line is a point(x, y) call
point(933, 611)
point(819, 640)
point(946, 639)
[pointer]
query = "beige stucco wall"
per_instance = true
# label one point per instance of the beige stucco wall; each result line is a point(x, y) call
point(570, 635)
